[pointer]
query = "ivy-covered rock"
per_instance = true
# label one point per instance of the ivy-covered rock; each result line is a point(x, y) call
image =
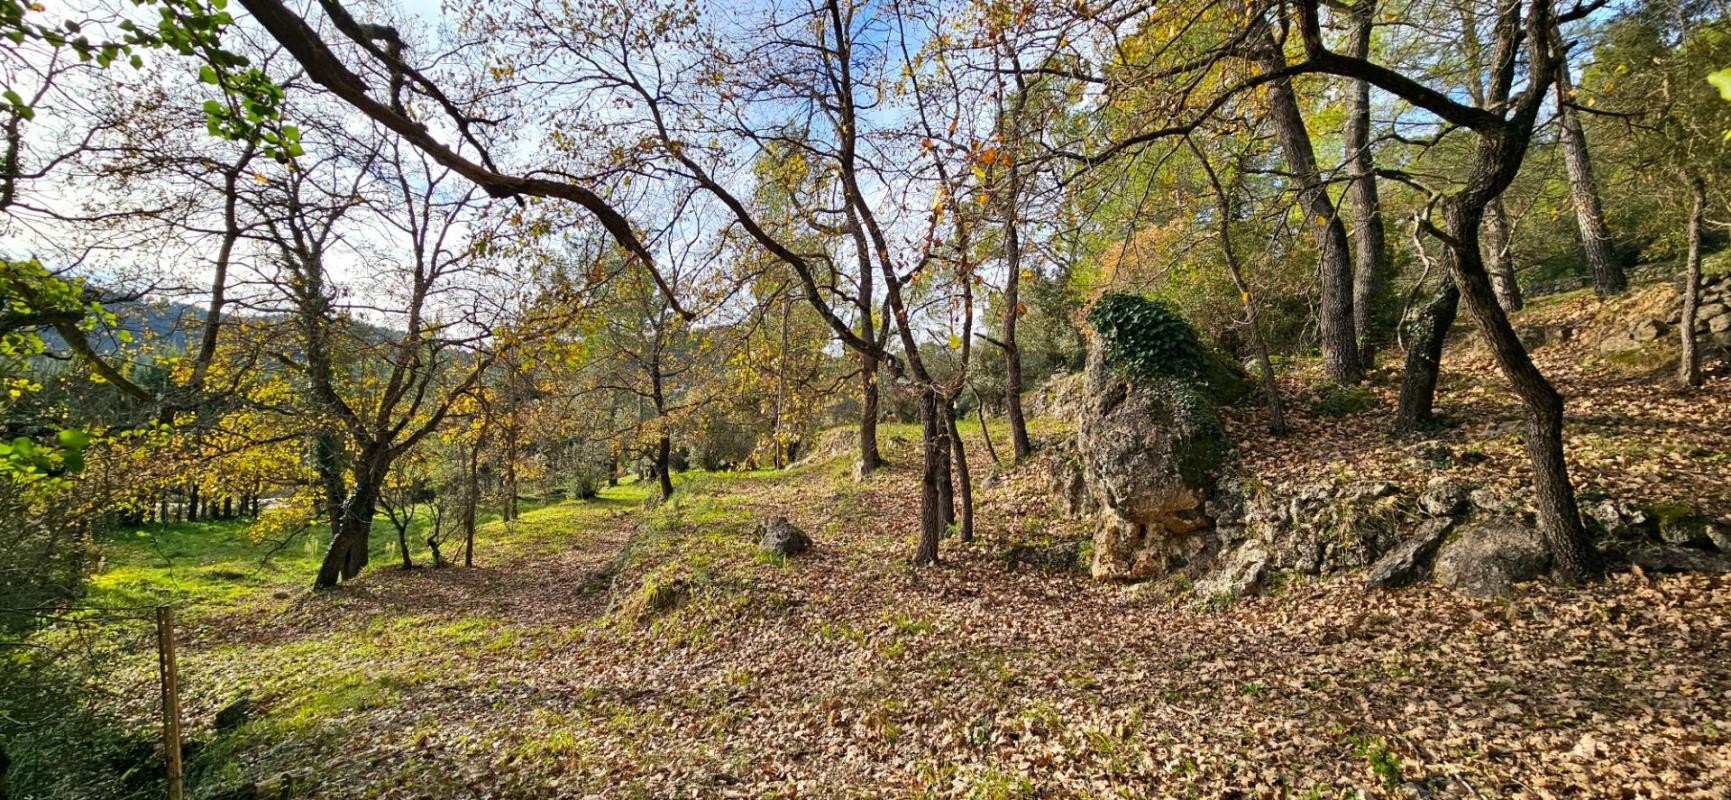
point(1150, 451)
point(1148, 342)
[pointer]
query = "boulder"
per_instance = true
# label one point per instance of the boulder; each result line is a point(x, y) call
point(1675, 558)
point(1647, 330)
point(1066, 482)
point(1620, 520)
point(1443, 497)
point(1407, 561)
point(1719, 533)
point(1488, 559)
point(1239, 575)
point(1490, 501)
point(1149, 455)
point(782, 538)
point(1618, 344)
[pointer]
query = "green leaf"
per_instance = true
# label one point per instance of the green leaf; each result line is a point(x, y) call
point(208, 75)
point(74, 440)
point(1722, 81)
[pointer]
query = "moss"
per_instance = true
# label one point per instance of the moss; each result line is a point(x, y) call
point(1334, 400)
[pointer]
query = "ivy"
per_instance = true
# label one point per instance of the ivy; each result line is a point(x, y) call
point(1147, 339)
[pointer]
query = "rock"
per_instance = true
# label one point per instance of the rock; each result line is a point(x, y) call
point(1489, 501)
point(1719, 533)
point(1618, 344)
point(1237, 576)
point(1675, 558)
point(1537, 336)
point(1647, 330)
point(1065, 481)
point(1359, 491)
point(1061, 397)
point(1150, 454)
point(1710, 310)
point(1488, 559)
point(1443, 497)
point(782, 538)
point(1060, 557)
point(235, 714)
point(1619, 520)
point(1407, 561)
point(1718, 324)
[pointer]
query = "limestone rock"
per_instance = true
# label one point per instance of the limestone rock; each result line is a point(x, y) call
point(1407, 561)
point(1237, 576)
point(1620, 520)
point(1488, 559)
point(782, 538)
point(1443, 497)
point(1150, 455)
point(1066, 482)
point(1675, 558)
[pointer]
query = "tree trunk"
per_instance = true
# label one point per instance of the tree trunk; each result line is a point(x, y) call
point(1339, 341)
point(931, 520)
point(664, 465)
point(1689, 369)
point(1499, 258)
point(1012, 315)
point(946, 476)
point(347, 554)
point(1424, 351)
point(1573, 556)
point(471, 502)
point(1369, 239)
point(192, 501)
point(403, 543)
point(869, 456)
point(964, 483)
point(986, 433)
point(1608, 277)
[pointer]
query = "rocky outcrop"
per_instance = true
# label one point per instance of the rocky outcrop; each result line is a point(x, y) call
point(1409, 560)
point(1150, 453)
point(1488, 558)
point(1677, 558)
point(1324, 527)
point(781, 538)
point(1239, 574)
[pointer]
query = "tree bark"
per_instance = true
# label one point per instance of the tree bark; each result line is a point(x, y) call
point(1499, 258)
point(946, 472)
point(1417, 402)
point(931, 520)
point(471, 502)
point(347, 553)
point(664, 465)
point(1012, 315)
point(1369, 239)
point(964, 482)
point(1339, 341)
point(1608, 277)
point(869, 456)
point(1689, 368)
point(1573, 556)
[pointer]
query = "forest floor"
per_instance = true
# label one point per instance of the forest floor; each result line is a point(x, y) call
point(606, 649)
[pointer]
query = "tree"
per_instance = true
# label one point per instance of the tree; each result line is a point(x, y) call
point(1602, 261)
point(1370, 265)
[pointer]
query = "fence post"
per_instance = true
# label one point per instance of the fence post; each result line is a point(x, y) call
point(170, 699)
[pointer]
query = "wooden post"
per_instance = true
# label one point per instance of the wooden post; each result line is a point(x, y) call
point(170, 699)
